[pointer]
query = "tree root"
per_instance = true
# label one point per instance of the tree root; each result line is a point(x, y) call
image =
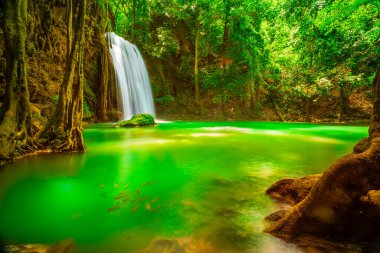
point(333, 207)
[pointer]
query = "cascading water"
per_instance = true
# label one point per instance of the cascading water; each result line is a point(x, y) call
point(131, 77)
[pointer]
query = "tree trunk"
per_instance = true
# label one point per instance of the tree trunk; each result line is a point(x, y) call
point(104, 80)
point(69, 27)
point(247, 91)
point(15, 118)
point(103, 73)
point(250, 101)
point(308, 108)
point(227, 9)
point(342, 102)
point(275, 107)
point(337, 206)
point(64, 131)
point(196, 60)
point(374, 129)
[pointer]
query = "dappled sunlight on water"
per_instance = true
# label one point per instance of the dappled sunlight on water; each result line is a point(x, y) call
point(195, 187)
point(228, 129)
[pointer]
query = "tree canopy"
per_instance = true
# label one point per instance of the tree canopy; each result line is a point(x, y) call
point(274, 50)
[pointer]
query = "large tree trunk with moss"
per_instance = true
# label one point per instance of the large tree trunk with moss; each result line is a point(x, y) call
point(345, 202)
point(15, 118)
point(64, 131)
point(104, 80)
point(103, 73)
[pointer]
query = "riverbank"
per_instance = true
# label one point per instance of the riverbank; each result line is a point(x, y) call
point(323, 110)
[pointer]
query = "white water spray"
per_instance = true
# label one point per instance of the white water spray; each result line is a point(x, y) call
point(131, 77)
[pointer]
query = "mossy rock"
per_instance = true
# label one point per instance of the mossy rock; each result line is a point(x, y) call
point(137, 121)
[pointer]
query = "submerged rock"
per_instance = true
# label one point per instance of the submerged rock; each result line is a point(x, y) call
point(180, 245)
point(292, 191)
point(65, 246)
point(313, 244)
point(342, 206)
point(137, 121)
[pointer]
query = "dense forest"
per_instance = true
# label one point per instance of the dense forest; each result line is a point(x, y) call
point(271, 60)
point(265, 60)
point(314, 61)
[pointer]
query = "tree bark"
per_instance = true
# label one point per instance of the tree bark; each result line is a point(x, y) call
point(374, 130)
point(227, 9)
point(275, 107)
point(15, 117)
point(250, 92)
point(196, 58)
point(308, 108)
point(64, 131)
point(69, 27)
point(104, 81)
point(336, 207)
point(103, 73)
point(342, 102)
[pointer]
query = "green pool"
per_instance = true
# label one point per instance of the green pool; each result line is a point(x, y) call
point(199, 184)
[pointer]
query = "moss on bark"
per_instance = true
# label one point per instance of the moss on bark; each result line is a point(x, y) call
point(15, 119)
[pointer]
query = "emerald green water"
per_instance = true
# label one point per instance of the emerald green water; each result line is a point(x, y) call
point(201, 182)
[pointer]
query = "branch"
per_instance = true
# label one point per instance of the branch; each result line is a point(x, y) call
point(122, 10)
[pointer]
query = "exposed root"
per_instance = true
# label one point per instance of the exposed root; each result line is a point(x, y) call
point(333, 208)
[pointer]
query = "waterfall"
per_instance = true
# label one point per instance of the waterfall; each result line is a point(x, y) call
point(132, 77)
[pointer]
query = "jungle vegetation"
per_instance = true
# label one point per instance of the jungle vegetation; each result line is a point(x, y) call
point(286, 55)
point(251, 55)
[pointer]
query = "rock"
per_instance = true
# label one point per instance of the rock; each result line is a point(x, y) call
point(292, 191)
point(179, 245)
point(65, 246)
point(275, 216)
point(227, 212)
point(137, 121)
point(313, 244)
point(114, 115)
point(169, 246)
point(372, 198)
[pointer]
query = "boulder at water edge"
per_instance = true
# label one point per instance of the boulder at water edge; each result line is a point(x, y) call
point(137, 120)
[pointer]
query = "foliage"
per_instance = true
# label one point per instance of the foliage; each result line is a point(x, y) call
point(165, 100)
point(86, 109)
point(294, 50)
